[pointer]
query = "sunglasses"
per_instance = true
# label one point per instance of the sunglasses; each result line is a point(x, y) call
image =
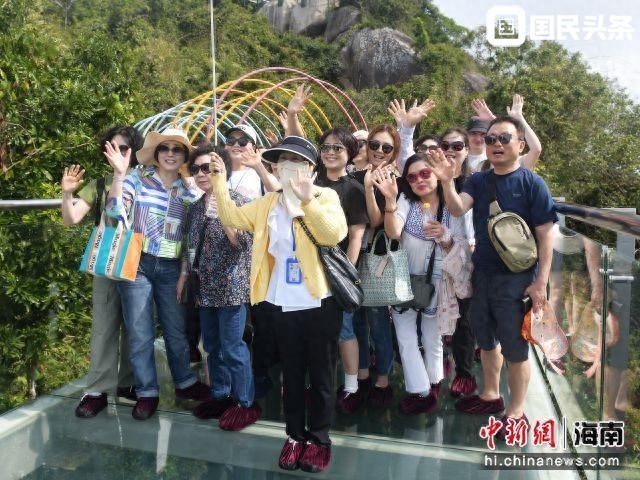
point(457, 146)
point(174, 150)
point(422, 148)
point(242, 142)
point(328, 147)
point(123, 149)
point(361, 143)
point(203, 167)
point(503, 138)
point(375, 146)
point(424, 174)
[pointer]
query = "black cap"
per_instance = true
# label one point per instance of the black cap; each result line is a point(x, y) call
point(298, 145)
point(477, 125)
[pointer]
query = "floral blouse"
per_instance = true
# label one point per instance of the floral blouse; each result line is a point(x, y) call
point(224, 269)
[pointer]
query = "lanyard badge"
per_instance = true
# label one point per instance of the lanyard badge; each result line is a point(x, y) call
point(292, 273)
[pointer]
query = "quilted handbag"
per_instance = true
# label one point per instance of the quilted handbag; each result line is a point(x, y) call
point(385, 278)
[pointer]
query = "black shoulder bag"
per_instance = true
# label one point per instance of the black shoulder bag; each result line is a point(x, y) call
point(193, 280)
point(342, 276)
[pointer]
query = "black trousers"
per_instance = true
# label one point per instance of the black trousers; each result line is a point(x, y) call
point(464, 342)
point(265, 349)
point(308, 343)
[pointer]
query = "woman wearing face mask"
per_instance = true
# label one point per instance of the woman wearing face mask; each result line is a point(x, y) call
point(337, 148)
point(420, 220)
point(287, 274)
point(455, 145)
point(382, 152)
point(223, 257)
point(360, 161)
point(159, 200)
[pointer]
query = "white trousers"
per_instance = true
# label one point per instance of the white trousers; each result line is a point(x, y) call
point(419, 372)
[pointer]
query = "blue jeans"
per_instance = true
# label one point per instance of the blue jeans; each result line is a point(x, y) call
point(228, 356)
point(380, 325)
point(156, 282)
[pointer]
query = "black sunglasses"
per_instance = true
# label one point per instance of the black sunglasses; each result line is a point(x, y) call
point(328, 147)
point(457, 146)
point(242, 141)
point(503, 138)
point(423, 148)
point(174, 150)
point(361, 143)
point(203, 167)
point(375, 146)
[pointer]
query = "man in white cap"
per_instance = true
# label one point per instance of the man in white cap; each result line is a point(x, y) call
point(249, 176)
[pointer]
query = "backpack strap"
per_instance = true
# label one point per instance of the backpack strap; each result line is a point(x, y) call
point(494, 206)
point(100, 187)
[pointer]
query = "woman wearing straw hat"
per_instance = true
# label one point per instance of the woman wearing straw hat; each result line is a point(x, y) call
point(287, 275)
point(159, 200)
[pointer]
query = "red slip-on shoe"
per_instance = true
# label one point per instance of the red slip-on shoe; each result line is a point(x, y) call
point(145, 408)
point(463, 386)
point(347, 402)
point(213, 408)
point(415, 404)
point(477, 406)
point(90, 406)
point(315, 458)
point(380, 397)
point(290, 454)
point(238, 417)
point(502, 433)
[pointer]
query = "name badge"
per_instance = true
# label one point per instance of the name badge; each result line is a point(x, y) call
point(292, 271)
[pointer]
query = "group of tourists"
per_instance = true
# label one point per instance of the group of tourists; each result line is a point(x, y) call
point(247, 221)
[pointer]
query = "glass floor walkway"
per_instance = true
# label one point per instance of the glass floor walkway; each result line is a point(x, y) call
point(45, 441)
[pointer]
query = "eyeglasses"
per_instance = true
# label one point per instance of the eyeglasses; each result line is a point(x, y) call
point(375, 146)
point(335, 147)
point(203, 167)
point(503, 138)
point(242, 141)
point(174, 150)
point(424, 174)
point(457, 146)
point(424, 148)
point(123, 149)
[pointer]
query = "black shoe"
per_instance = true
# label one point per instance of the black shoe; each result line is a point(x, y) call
point(127, 392)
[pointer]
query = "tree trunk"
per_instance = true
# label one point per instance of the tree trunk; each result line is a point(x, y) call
point(32, 369)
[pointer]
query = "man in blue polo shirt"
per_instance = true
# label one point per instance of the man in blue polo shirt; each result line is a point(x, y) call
point(496, 307)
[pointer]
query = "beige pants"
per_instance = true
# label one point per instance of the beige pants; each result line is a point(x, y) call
point(110, 365)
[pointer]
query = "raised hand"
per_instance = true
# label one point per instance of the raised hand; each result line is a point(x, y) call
point(283, 118)
point(303, 186)
point(441, 166)
point(271, 137)
point(385, 180)
point(368, 177)
point(516, 107)
point(482, 109)
point(217, 165)
point(298, 100)
point(119, 162)
point(413, 116)
point(72, 178)
point(252, 159)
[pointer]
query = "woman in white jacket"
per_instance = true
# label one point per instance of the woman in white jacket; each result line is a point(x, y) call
point(422, 223)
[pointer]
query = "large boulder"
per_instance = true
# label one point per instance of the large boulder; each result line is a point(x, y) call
point(339, 21)
point(475, 82)
point(307, 16)
point(375, 58)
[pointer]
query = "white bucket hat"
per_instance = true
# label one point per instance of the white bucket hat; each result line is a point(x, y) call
point(145, 155)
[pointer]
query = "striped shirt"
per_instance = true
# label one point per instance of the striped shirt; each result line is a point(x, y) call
point(159, 214)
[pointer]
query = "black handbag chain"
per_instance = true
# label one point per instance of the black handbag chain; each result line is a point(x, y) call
point(429, 274)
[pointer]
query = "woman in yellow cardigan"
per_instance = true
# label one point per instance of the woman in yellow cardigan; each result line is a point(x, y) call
point(286, 272)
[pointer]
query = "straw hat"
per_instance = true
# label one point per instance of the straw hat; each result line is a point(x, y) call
point(153, 139)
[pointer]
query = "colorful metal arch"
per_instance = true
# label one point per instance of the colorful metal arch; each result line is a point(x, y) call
point(256, 100)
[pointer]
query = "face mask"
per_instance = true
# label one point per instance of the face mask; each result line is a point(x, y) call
point(288, 170)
